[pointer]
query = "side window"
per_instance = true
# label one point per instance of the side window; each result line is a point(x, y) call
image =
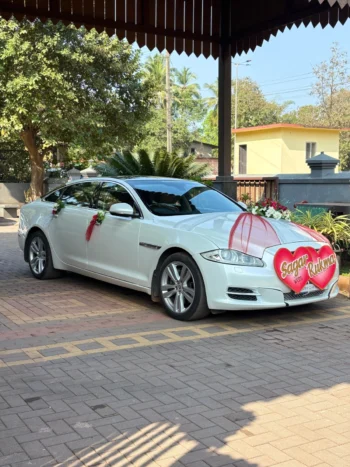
point(81, 194)
point(310, 150)
point(112, 193)
point(54, 195)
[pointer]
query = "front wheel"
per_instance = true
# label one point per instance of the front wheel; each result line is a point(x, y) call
point(40, 259)
point(182, 289)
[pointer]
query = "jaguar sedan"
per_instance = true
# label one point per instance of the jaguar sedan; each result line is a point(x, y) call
point(185, 244)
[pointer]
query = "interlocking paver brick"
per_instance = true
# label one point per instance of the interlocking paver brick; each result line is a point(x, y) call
point(10, 446)
point(275, 391)
point(13, 458)
point(34, 449)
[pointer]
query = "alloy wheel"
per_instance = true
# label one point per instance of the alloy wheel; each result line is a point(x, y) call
point(178, 287)
point(37, 255)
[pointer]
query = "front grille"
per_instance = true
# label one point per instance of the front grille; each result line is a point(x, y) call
point(299, 296)
point(239, 290)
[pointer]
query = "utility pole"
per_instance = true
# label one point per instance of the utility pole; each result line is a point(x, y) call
point(236, 96)
point(168, 103)
point(237, 64)
point(246, 63)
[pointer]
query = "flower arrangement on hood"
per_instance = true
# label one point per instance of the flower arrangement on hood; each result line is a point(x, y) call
point(269, 208)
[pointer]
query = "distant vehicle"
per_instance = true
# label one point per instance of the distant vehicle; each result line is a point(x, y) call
point(182, 242)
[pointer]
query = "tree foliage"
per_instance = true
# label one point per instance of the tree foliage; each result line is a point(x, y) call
point(187, 110)
point(253, 108)
point(332, 78)
point(59, 84)
point(14, 163)
point(160, 164)
point(332, 108)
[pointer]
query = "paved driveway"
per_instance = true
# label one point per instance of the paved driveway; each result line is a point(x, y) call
point(91, 374)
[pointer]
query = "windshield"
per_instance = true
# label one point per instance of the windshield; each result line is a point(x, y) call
point(181, 197)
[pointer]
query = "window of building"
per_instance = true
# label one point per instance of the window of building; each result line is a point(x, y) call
point(310, 150)
point(242, 159)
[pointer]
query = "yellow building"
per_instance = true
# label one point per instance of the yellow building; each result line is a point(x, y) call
point(281, 148)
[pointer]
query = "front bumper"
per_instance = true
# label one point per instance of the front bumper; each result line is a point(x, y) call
point(253, 288)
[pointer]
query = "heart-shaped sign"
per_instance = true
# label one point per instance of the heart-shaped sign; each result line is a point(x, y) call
point(322, 266)
point(291, 268)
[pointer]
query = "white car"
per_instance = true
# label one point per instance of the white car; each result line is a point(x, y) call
point(176, 240)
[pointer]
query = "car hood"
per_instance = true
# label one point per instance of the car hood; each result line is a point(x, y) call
point(242, 231)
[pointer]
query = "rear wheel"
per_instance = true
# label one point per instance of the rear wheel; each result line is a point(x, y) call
point(40, 259)
point(182, 289)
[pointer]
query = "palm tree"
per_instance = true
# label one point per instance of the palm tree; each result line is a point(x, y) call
point(184, 85)
point(155, 73)
point(161, 164)
point(213, 100)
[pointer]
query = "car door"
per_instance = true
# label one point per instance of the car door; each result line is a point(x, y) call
point(67, 229)
point(113, 249)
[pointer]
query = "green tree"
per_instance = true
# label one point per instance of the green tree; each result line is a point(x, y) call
point(304, 115)
point(332, 77)
point(187, 107)
point(212, 101)
point(154, 74)
point(14, 162)
point(253, 108)
point(59, 84)
point(160, 164)
point(333, 101)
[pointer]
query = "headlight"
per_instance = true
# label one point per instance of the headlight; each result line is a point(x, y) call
point(232, 257)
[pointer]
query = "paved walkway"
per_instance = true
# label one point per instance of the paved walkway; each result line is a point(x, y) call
point(94, 375)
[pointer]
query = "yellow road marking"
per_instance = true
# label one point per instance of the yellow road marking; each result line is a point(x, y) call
point(167, 336)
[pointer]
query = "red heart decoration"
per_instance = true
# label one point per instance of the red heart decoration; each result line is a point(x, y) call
point(322, 266)
point(291, 268)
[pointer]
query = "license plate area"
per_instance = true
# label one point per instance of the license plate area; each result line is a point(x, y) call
point(309, 288)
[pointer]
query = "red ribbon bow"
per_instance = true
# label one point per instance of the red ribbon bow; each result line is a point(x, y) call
point(91, 227)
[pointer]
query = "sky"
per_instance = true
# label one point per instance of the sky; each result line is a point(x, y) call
point(290, 55)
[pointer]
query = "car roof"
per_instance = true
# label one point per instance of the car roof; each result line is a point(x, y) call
point(129, 177)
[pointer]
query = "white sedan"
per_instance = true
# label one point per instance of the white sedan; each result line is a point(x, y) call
point(181, 242)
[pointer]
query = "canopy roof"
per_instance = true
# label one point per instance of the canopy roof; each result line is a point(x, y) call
point(190, 26)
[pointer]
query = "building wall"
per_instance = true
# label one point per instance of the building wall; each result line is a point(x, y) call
point(283, 150)
point(212, 163)
point(294, 148)
point(13, 193)
point(203, 149)
point(264, 149)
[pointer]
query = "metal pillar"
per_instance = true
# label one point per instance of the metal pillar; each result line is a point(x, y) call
point(224, 182)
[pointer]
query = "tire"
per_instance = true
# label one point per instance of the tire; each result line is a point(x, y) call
point(40, 258)
point(181, 288)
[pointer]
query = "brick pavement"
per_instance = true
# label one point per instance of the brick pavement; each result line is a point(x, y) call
point(94, 375)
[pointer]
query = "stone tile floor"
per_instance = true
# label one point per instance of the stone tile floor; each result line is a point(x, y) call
point(94, 375)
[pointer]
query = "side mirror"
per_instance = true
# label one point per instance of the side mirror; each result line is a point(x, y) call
point(122, 209)
point(243, 205)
